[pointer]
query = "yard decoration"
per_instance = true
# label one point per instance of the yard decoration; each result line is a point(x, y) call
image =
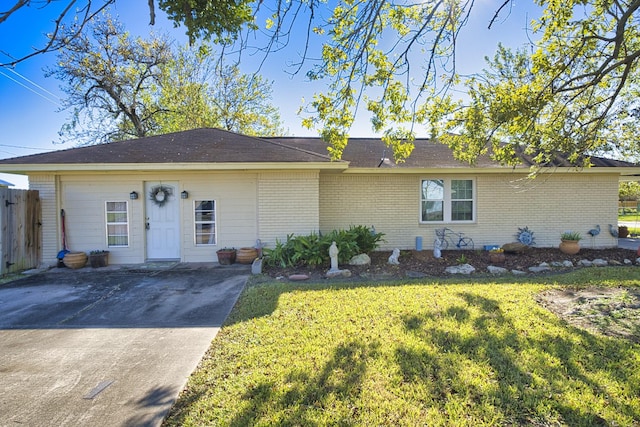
point(613, 230)
point(447, 237)
point(525, 236)
point(333, 254)
point(393, 258)
point(569, 242)
point(335, 271)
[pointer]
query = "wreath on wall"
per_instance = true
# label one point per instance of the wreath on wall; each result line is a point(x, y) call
point(160, 195)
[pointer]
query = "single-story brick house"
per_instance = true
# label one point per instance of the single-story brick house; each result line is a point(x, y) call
point(182, 196)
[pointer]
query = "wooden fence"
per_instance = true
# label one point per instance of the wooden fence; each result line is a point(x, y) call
point(20, 230)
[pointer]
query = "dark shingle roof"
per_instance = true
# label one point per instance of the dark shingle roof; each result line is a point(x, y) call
point(218, 147)
point(193, 146)
point(372, 152)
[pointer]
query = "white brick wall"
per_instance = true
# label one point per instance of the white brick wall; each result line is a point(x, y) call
point(547, 205)
point(287, 203)
point(270, 205)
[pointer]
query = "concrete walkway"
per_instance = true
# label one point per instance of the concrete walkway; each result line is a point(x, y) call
point(107, 347)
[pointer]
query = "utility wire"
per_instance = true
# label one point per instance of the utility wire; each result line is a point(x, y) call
point(34, 83)
point(27, 148)
point(33, 90)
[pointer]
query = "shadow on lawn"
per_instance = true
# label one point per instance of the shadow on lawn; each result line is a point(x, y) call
point(536, 379)
point(516, 393)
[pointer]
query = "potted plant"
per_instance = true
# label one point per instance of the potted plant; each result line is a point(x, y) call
point(569, 242)
point(623, 231)
point(226, 256)
point(496, 256)
point(98, 258)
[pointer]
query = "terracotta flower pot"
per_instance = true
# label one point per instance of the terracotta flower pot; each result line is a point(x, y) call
point(496, 257)
point(100, 259)
point(75, 259)
point(226, 256)
point(623, 231)
point(569, 247)
point(246, 255)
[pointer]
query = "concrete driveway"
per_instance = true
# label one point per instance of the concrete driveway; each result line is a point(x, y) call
point(107, 347)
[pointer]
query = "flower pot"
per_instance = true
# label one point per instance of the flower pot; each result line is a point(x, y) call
point(100, 259)
point(569, 247)
point(496, 257)
point(623, 231)
point(75, 259)
point(246, 255)
point(226, 256)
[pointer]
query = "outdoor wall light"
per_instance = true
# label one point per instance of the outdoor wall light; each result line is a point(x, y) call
point(184, 194)
point(133, 195)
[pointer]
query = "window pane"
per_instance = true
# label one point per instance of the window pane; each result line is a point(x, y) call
point(432, 211)
point(205, 205)
point(205, 222)
point(462, 211)
point(461, 189)
point(204, 216)
point(117, 217)
point(116, 206)
point(433, 189)
point(117, 224)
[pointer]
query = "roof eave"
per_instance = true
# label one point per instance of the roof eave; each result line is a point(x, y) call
point(623, 171)
point(81, 167)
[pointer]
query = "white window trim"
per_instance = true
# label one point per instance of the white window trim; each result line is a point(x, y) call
point(215, 223)
point(107, 223)
point(447, 201)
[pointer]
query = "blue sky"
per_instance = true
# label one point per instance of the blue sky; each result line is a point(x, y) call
point(29, 102)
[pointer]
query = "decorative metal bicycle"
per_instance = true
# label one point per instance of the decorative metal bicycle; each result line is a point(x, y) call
point(446, 237)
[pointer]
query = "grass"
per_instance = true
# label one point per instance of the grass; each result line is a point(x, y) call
point(629, 217)
point(438, 353)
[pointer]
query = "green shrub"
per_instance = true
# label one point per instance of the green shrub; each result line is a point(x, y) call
point(313, 249)
point(366, 238)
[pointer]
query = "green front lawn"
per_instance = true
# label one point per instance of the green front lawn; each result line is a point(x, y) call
point(630, 218)
point(437, 353)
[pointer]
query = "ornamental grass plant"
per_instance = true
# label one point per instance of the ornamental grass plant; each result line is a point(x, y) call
point(438, 352)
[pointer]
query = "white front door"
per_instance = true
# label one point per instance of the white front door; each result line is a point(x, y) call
point(162, 220)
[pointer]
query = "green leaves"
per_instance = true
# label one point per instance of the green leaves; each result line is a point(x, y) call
point(220, 20)
point(119, 88)
point(313, 249)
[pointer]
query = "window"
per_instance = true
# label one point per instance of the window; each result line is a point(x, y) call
point(447, 200)
point(205, 222)
point(117, 224)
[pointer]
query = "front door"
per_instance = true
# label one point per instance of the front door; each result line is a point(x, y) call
point(162, 220)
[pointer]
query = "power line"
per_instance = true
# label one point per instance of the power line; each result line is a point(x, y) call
point(34, 83)
point(32, 90)
point(27, 148)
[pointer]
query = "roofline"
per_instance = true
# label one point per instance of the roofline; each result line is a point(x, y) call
point(623, 171)
point(189, 166)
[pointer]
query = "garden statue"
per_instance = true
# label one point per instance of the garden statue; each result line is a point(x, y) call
point(335, 271)
point(437, 249)
point(333, 254)
point(393, 259)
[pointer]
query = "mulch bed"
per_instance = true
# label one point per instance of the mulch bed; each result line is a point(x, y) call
point(422, 263)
